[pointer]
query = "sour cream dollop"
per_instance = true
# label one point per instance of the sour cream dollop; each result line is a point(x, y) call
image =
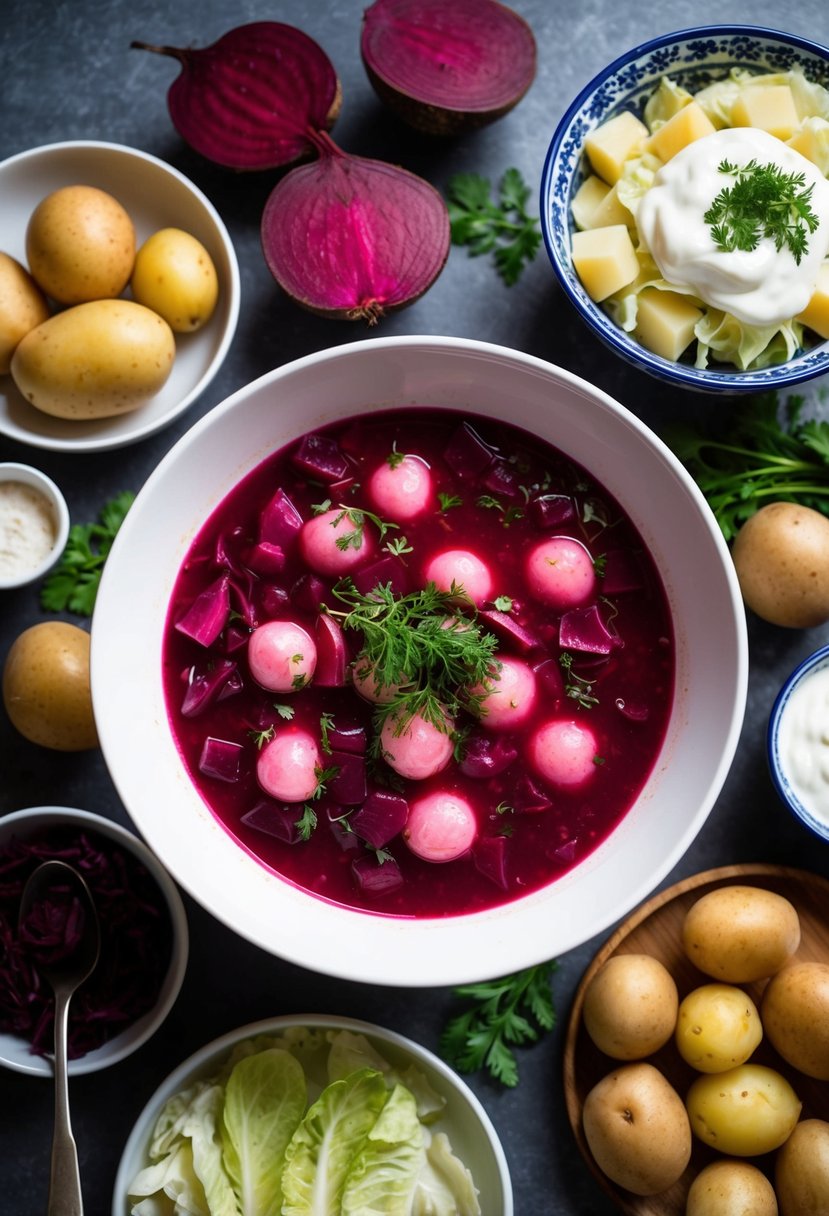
point(763, 286)
point(803, 742)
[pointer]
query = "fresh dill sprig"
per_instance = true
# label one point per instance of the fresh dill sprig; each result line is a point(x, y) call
point(764, 201)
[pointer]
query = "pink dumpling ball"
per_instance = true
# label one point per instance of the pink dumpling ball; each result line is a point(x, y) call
point(282, 656)
point(419, 750)
point(560, 572)
point(288, 766)
point(509, 696)
point(463, 568)
point(441, 826)
point(564, 752)
point(318, 539)
point(401, 488)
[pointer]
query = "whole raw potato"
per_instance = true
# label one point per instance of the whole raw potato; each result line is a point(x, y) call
point(637, 1129)
point(630, 1006)
point(781, 556)
point(744, 1112)
point(801, 1170)
point(46, 688)
point(718, 1027)
point(175, 276)
point(95, 360)
point(795, 1013)
point(739, 934)
point(731, 1188)
point(80, 245)
point(22, 307)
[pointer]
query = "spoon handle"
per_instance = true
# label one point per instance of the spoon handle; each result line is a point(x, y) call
point(65, 1180)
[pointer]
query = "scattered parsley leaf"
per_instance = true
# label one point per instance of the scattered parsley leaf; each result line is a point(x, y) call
point(577, 688)
point(504, 1013)
point(394, 457)
point(323, 775)
point(306, 822)
point(503, 603)
point(261, 737)
point(286, 712)
point(501, 227)
point(399, 546)
point(73, 584)
point(449, 500)
point(764, 201)
point(326, 723)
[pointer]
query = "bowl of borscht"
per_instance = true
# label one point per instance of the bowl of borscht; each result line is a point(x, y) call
point(432, 657)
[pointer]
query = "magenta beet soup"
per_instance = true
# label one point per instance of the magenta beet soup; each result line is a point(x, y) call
point(419, 663)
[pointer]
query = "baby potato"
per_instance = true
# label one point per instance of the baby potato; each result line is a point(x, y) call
point(175, 276)
point(781, 556)
point(630, 1006)
point(637, 1129)
point(744, 1112)
point(22, 307)
point(718, 1027)
point(80, 245)
point(795, 1013)
point(740, 934)
point(95, 360)
point(46, 688)
point(801, 1170)
point(731, 1188)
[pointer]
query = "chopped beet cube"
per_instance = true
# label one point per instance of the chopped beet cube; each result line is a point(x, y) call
point(332, 652)
point(321, 458)
point(348, 737)
point(206, 687)
point(490, 856)
point(274, 819)
point(349, 784)
point(622, 572)
point(528, 797)
point(584, 629)
point(280, 521)
point(501, 480)
point(207, 616)
point(466, 453)
point(220, 759)
point(509, 630)
point(265, 558)
point(272, 600)
point(345, 838)
point(552, 510)
point(388, 569)
point(230, 546)
point(381, 817)
point(486, 755)
point(236, 636)
point(375, 877)
point(308, 592)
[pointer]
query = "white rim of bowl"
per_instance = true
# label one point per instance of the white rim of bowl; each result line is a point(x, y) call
point(813, 662)
point(232, 302)
point(706, 379)
point(203, 1058)
point(144, 1027)
point(28, 475)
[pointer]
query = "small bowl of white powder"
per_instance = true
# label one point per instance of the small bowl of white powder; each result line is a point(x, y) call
point(34, 524)
point(798, 742)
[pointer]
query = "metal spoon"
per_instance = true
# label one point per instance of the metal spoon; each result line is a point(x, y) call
point(65, 976)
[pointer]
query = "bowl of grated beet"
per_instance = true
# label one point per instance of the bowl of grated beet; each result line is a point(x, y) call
point(439, 657)
point(144, 941)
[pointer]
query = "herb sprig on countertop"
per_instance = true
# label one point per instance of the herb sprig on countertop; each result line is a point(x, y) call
point(504, 1014)
point(73, 584)
point(767, 453)
point(764, 201)
point(501, 226)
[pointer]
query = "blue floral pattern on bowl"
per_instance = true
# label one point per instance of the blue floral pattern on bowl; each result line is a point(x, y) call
point(693, 58)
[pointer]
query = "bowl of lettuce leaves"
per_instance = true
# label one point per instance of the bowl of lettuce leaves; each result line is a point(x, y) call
point(313, 1113)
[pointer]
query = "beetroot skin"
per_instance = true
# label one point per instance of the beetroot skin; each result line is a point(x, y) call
point(447, 66)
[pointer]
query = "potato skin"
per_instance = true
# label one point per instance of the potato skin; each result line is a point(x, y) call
point(95, 360)
point(744, 1112)
point(174, 275)
point(801, 1170)
point(80, 245)
point(22, 307)
point(795, 1013)
point(46, 688)
point(781, 556)
point(630, 1006)
point(731, 1188)
point(637, 1129)
point(739, 934)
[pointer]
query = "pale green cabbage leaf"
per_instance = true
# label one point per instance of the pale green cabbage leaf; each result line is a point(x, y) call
point(383, 1175)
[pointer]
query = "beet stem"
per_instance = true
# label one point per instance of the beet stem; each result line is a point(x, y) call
point(175, 52)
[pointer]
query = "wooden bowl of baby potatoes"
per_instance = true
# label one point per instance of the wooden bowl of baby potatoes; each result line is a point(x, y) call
point(655, 929)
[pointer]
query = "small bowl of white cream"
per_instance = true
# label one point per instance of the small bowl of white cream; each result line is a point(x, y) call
point(798, 742)
point(34, 524)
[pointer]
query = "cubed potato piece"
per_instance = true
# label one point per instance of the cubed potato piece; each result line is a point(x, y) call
point(610, 145)
point(611, 210)
point(688, 124)
point(586, 199)
point(665, 322)
point(809, 139)
point(816, 313)
point(604, 260)
point(769, 107)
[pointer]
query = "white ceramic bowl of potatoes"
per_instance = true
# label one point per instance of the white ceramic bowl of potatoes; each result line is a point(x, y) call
point(119, 361)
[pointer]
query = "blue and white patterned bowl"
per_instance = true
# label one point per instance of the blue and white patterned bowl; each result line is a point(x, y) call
point(693, 58)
